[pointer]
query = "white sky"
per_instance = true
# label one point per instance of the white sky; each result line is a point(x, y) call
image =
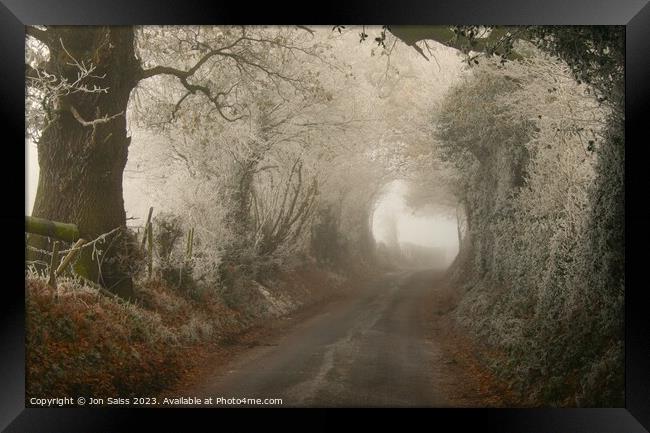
point(31, 175)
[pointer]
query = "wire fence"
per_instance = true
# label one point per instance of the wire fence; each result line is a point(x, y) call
point(54, 267)
point(57, 232)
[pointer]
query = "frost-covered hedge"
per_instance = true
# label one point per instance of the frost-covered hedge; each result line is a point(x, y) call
point(542, 169)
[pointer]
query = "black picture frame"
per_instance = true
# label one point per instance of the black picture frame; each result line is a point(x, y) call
point(633, 14)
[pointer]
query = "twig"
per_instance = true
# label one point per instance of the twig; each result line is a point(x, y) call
point(99, 238)
point(307, 29)
point(70, 256)
point(95, 122)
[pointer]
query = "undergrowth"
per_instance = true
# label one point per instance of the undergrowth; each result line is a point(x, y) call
point(81, 341)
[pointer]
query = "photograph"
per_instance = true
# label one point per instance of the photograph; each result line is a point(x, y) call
point(325, 216)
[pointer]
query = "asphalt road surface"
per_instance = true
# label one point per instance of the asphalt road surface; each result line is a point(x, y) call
point(375, 350)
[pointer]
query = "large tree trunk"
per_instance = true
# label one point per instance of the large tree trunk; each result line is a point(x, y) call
point(81, 165)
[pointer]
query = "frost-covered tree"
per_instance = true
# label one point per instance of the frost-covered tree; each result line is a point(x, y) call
point(85, 80)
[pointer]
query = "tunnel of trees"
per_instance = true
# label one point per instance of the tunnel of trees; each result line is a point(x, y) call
point(274, 144)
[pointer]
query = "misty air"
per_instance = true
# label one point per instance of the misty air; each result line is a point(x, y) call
point(324, 216)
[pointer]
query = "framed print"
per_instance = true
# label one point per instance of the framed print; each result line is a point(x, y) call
point(432, 211)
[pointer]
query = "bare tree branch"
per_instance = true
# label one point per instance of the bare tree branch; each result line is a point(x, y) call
point(183, 77)
point(307, 29)
point(245, 60)
point(178, 105)
point(94, 122)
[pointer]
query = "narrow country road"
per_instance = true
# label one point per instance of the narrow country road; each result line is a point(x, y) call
point(376, 350)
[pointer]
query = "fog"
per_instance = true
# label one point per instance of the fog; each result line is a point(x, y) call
point(31, 175)
point(431, 226)
point(434, 181)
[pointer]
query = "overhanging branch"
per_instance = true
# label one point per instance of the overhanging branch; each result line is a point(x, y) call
point(192, 89)
point(307, 29)
point(445, 35)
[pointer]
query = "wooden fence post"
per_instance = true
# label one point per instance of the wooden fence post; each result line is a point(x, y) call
point(53, 263)
point(150, 249)
point(146, 228)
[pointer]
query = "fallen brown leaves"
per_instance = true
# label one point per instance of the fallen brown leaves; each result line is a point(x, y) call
point(80, 342)
point(466, 356)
